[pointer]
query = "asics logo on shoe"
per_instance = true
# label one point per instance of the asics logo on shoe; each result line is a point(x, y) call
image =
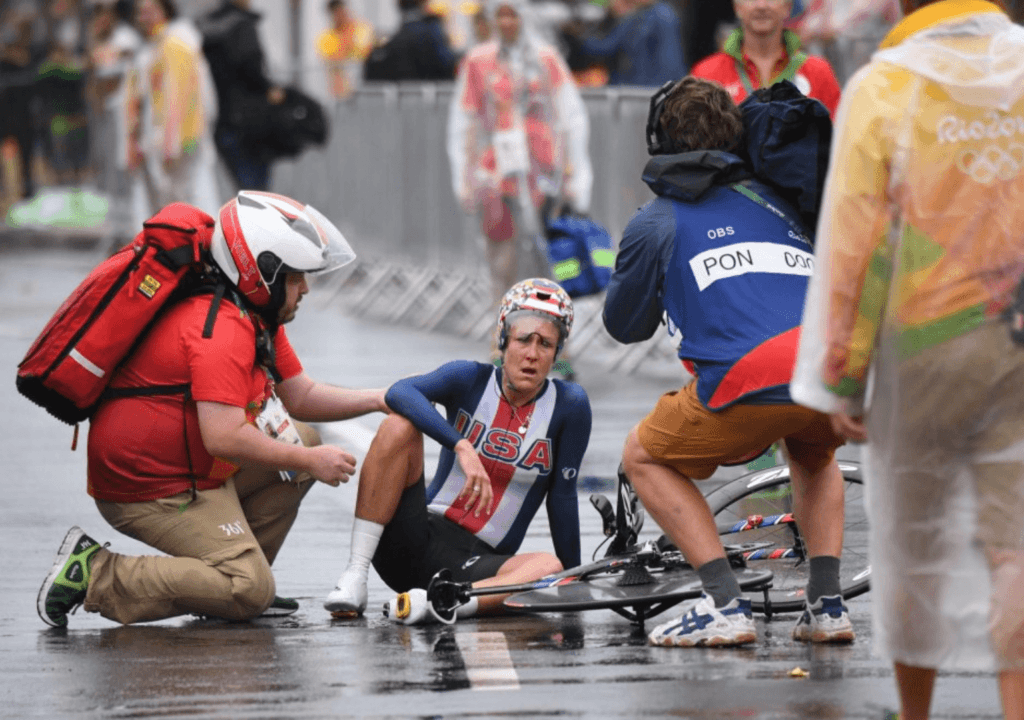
point(833, 607)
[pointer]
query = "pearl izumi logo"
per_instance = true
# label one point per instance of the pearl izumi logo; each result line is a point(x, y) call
point(469, 563)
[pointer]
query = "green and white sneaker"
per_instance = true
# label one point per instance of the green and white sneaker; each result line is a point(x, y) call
point(281, 607)
point(65, 587)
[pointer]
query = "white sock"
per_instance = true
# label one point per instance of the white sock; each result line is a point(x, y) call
point(365, 538)
point(469, 609)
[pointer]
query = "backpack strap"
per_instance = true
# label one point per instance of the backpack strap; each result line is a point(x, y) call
point(744, 188)
point(211, 316)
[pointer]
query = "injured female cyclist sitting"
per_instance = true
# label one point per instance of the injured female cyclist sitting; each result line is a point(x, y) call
point(511, 439)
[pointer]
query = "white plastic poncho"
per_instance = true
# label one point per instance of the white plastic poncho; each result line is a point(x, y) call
point(920, 248)
point(517, 114)
point(171, 100)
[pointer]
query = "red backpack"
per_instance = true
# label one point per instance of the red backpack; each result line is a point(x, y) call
point(71, 362)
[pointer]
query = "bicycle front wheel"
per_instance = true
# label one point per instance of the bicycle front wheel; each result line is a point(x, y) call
point(768, 494)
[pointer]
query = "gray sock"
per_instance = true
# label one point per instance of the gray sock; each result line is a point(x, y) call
point(823, 580)
point(719, 581)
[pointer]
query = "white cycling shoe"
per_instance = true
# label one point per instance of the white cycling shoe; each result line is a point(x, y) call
point(348, 599)
point(413, 608)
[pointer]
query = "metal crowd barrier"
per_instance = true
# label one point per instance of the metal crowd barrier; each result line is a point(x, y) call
point(384, 178)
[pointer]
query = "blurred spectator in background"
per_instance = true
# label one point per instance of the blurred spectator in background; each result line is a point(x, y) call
point(481, 27)
point(17, 98)
point(113, 46)
point(61, 86)
point(235, 56)
point(848, 32)
point(517, 140)
point(170, 104)
point(344, 47)
point(420, 50)
point(458, 17)
point(644, 46)
point(761, 52)
point(588, 70)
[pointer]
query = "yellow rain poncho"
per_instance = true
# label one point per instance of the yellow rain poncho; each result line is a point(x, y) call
point(920, 249)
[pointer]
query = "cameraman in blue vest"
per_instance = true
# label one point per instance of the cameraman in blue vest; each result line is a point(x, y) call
point(728, 263)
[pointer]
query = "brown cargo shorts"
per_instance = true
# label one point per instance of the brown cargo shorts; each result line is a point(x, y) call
point(682, 433)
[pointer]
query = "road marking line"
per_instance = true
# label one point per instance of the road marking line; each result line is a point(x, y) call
point(488, 661)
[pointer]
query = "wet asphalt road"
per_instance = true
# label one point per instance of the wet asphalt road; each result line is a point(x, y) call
point(593, 664)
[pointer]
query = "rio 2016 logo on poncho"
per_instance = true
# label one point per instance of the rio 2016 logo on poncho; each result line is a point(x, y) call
point(953, 129)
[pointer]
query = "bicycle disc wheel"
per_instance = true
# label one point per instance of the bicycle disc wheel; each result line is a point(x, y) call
point(768, 493)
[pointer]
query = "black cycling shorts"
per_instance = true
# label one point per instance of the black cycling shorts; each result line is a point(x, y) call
point(417, 543)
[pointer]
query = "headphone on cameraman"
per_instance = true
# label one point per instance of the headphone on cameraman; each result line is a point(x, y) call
point(658, 142)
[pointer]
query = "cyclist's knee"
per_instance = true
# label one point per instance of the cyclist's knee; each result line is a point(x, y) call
point(397, 432)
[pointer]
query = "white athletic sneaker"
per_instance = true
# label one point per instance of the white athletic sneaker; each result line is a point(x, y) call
point(706, 625)
point(413, 608)
point(826, 621)
point(348, 599)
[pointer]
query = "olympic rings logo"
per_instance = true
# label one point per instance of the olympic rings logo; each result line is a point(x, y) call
point(991, 164)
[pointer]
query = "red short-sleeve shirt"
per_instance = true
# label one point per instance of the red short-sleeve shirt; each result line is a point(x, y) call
point(140, 448)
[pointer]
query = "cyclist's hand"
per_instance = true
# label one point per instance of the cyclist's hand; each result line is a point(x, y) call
point(477, 490)
point(851, 428)
point(330, 464)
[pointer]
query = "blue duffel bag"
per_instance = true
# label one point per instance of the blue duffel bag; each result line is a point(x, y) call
point(580, 254)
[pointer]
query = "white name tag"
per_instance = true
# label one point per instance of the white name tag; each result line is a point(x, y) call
point(510, 153)
point(275, 421)
point(729, 261)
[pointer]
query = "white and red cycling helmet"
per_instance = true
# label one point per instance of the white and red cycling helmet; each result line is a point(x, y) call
point(259, 236)
point(536, 296)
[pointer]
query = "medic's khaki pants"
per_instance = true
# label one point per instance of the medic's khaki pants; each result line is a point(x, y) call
point(219, 550)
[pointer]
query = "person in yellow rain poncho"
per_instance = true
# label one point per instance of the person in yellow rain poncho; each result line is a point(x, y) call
point(909, 340)
point(344, 46)
point(170, 105)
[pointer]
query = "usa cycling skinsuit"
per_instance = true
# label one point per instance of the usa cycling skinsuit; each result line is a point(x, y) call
point(532, 454)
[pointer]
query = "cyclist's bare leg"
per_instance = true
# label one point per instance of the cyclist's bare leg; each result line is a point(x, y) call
point(675, 502)
point(517, 569)
point(818, 505)
point(915, 685)
point(393, 463)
